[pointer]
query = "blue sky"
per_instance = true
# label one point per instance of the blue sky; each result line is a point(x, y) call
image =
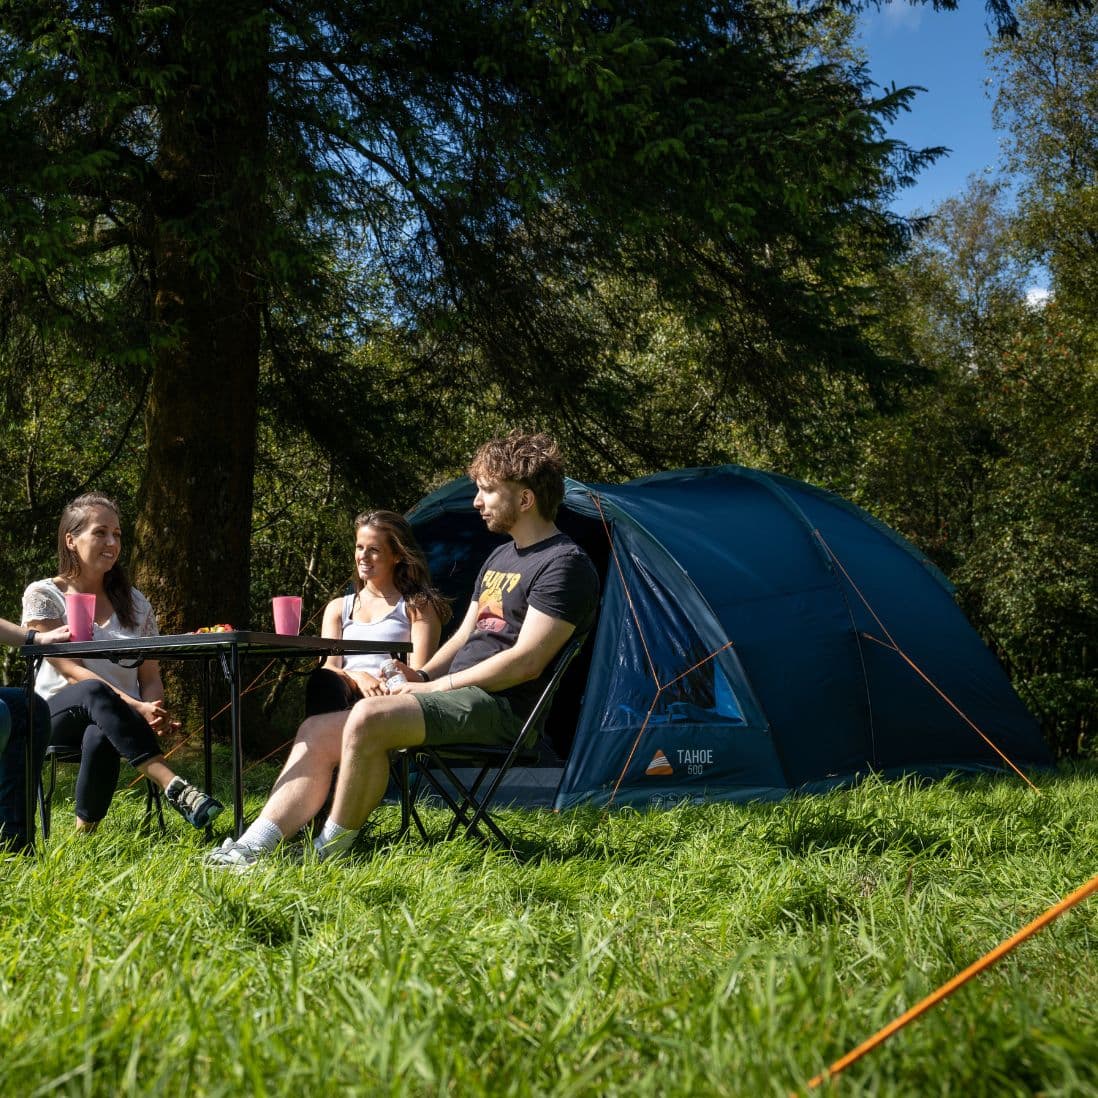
point(941, 51)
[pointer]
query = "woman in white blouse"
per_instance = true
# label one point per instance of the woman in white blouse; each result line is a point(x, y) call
point(109, 711)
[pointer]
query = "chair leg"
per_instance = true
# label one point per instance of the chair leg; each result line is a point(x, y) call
point(45, 798)
point(154, 799)
point(414, 812)
point(466, 805)
point(399, 764)
point(45, 803)
point(399, 768)
point(408, 796)
point(481, 814)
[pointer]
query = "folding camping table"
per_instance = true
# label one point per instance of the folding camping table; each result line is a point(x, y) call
point(226, 649)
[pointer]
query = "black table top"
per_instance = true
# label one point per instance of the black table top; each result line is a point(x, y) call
point(197, 645)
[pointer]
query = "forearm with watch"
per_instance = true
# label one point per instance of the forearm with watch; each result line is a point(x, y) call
point(445, 680)
point(15, 635)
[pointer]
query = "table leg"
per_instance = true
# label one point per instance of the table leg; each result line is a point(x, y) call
point(237, 744)
point(207, 731)
point(30, 778)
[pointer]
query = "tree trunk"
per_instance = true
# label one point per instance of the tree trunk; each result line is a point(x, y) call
point(193, 530)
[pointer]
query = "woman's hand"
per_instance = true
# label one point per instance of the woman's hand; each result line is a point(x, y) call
point(53, 636)
point(156, 713)
point(409, 673)
point(367, 684)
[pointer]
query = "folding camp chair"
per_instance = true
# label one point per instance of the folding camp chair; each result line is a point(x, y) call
point(435, 766)
point(58, 753)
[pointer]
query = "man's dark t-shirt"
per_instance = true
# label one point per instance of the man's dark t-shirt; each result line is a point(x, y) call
point(554, 576)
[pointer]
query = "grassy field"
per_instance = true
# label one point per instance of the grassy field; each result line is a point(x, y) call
point(722, 949)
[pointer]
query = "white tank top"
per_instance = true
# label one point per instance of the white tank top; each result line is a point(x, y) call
point(395, 626)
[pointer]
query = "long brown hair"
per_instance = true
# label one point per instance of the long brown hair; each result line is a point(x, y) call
point(412, 576)
point(77, 515)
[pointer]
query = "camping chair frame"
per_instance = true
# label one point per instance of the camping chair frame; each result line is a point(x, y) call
point(470, 806)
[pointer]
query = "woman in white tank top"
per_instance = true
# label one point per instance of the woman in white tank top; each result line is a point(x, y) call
point(393, 599)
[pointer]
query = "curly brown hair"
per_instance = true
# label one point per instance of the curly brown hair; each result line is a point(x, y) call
point(412, 575)
point(116, 583)
point(532, 460)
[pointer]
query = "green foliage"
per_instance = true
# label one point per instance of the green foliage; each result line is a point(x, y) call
point(724, 949)
point(1032, 568)
point(1048, 102)
point(324, 240)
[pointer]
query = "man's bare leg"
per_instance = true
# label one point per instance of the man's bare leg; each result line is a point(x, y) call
point(375, 726)
point(358, 742)
point(302, 787)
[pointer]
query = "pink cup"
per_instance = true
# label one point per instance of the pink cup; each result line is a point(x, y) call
point(287, 614)
point(80, 611)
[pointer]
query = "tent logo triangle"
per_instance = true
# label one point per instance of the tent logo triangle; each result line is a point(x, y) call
point(659, 764)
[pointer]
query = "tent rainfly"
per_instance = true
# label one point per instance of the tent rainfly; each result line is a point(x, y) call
point(757, 636)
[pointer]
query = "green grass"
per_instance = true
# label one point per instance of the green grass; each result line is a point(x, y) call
point(721, 949)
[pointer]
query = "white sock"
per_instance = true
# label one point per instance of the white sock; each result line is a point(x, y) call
point(334, 839)
point(263, 836)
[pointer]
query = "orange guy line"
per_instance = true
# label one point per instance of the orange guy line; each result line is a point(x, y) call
point(1000, 951)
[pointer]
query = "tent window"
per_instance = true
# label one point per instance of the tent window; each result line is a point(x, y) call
point(698, 688)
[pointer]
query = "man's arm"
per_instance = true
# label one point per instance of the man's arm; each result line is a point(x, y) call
point(440, 662)
point(540, 639)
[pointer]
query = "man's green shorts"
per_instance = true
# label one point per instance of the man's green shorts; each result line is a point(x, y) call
point(468, 715)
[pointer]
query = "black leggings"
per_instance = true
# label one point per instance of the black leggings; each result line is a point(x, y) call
point(92, 718)
point(327, 692)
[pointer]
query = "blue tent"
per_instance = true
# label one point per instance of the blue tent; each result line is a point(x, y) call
point(756, 636)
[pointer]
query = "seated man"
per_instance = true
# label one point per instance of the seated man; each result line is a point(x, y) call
point(532, 594)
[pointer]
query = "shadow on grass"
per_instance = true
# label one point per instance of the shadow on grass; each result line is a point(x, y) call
point(522, 849)
point(812, 832)
point(267, 920)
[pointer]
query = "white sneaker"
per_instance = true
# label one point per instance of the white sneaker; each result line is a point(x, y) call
point(308, 853)
point(233, 856)
point(334, 851)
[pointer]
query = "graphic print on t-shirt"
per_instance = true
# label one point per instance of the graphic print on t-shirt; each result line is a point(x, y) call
point(490, 603)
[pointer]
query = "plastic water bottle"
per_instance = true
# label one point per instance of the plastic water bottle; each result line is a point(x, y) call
point(391, 674)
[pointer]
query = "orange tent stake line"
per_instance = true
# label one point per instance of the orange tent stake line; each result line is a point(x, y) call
point(1001, 950)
